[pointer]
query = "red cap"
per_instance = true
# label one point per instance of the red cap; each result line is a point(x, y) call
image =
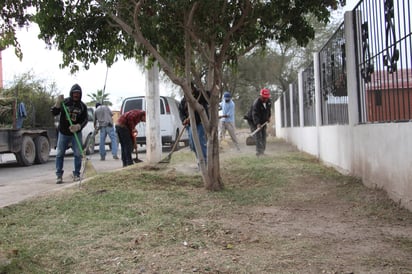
point(265, 93)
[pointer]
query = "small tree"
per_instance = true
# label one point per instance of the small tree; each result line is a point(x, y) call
point(99, 97)
point(37, 96)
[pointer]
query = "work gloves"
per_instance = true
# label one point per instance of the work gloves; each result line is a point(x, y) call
point(186, 121)
point(59, 101)
point(75, 128)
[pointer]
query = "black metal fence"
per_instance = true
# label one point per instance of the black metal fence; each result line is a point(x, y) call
point(384, 67)
point(282, 111)
point(287, 108)
point(333, 81)
point(295, 104)
point(309, 109)
point(384, 60)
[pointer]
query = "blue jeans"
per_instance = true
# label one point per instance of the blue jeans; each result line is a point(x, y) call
point(104, 131)
point(202, 139)
point(62, 143)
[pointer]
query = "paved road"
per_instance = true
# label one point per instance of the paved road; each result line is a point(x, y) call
point(18, 183)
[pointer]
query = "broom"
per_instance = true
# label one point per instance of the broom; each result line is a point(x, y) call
point(86, 165)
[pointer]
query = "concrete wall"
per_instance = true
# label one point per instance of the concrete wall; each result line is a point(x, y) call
point(378, 153)
point(382, 158)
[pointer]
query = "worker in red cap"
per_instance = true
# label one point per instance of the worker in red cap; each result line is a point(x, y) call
point(258, 117)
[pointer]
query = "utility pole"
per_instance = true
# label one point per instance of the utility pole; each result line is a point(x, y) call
point(153, 137)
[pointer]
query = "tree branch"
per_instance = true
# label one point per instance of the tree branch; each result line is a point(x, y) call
point(236, 27)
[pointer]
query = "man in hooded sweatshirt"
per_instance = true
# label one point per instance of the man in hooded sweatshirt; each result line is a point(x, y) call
point(77, 111)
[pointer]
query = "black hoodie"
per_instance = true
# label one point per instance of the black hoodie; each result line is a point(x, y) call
point(77, 112)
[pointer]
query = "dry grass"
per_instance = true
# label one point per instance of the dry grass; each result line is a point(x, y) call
point(284, 213)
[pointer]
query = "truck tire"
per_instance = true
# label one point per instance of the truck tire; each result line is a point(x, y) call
point(42, 149)
point(26, 155)
point(89, 145)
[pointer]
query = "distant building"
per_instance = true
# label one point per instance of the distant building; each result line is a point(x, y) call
point(389, 96)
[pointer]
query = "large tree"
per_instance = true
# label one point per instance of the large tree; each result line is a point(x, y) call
point(191, 40)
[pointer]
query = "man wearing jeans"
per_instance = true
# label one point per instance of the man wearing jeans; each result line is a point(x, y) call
point(184, 116)
point(77, 112)
point(103, 121)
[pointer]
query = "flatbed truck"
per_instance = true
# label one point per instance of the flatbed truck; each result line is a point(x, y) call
point(29, 145)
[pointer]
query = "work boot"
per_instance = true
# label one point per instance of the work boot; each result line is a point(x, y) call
point(59, 180)
point(76, 178)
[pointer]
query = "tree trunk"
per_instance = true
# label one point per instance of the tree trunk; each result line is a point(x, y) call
point(214, 181)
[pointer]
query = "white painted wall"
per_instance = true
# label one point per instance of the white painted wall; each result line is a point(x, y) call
point(379, 154)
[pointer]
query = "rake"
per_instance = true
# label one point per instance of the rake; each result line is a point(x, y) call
point(167, 159)
point(86, 165)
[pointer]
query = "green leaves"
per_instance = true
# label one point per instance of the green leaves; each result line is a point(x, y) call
point(88, 32)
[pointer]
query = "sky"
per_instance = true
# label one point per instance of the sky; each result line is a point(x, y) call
point(124, 78)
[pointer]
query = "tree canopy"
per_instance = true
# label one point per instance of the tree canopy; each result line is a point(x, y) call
point(274, 67)
point(86, 31)
point(13, 15)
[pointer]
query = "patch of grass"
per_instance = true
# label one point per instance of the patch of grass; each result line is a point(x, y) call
point(162, 221)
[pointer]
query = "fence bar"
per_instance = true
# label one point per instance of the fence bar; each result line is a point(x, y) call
point(333, 81)
point(309, 109)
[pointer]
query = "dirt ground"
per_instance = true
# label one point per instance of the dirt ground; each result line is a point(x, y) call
point(318, 225)
point(314, 230)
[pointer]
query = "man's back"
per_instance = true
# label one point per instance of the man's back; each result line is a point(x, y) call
point(103, 115)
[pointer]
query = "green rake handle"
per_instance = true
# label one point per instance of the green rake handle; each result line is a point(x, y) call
point(71, 123)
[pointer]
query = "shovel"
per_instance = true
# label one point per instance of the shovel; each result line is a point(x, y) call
point(250, 141)
point(136, 159)
point(167, 159)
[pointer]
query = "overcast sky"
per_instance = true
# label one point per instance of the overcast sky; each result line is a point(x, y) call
point(124, 78)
